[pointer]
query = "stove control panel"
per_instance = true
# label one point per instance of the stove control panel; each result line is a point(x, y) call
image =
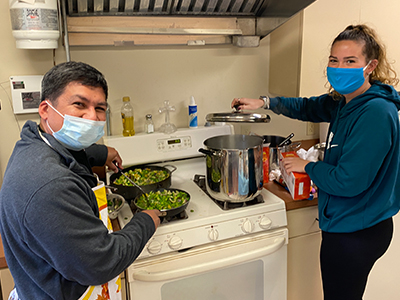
point(173, 144)
point(216, 231)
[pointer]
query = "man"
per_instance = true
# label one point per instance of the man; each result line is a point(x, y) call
point(54, 242)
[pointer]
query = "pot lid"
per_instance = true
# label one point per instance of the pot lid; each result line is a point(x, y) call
point(237, 117)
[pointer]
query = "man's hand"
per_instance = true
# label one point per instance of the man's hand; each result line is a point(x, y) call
point(154, 214)
point(113, 157)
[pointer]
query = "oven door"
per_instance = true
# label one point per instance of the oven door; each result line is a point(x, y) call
point(251, 267)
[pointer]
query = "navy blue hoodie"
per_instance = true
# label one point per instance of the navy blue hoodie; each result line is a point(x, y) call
point(358, 181)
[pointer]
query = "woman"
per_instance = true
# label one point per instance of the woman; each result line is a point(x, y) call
point(358, 181)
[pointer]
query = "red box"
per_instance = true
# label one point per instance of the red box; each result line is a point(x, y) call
point(299, 184)
point(266, 164)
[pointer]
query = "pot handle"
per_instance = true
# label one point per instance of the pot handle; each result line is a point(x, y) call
point(163, 214)
point(170, 166)
point(207, 152)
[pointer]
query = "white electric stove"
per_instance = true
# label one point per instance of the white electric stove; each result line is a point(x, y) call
point(206, 225)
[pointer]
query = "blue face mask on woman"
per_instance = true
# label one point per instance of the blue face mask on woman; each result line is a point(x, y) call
point(346, 80)
point(77, 133)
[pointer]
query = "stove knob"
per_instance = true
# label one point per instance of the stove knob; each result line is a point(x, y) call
point(154, 247)
point(247, 226)
point(265, 223)
point(175, 242)
point(213, 234)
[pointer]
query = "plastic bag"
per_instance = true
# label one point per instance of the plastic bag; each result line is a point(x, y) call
point(310, 154)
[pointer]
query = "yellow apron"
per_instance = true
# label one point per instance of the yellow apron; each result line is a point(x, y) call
point(112, 289)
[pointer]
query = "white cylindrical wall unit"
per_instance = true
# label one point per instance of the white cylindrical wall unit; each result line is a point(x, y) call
point(35, 23)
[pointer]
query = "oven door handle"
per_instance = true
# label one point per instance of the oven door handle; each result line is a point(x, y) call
point(210, 265)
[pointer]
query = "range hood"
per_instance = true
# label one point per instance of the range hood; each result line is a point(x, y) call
point(175, 22)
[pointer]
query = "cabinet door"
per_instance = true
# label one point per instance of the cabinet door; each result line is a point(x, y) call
point(7, 283)
point(304, 276)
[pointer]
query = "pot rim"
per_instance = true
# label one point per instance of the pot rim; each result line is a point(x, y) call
point(227, 138)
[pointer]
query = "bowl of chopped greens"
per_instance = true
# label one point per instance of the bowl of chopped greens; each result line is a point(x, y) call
point(114, 205)
point(148, 177)
point(169, 201)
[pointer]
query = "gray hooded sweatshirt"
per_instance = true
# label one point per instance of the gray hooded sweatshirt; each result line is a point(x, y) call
point(54, 242)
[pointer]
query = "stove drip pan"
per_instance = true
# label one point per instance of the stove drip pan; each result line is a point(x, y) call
point(200, 180)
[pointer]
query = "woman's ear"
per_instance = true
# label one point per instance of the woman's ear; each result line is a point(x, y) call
point(372, 65)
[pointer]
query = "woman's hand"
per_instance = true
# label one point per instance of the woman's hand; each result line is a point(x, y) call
point(294, 164)
point(247, 103)
point(112, 159)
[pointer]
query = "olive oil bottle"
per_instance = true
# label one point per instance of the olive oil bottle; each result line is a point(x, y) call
point(127, 117)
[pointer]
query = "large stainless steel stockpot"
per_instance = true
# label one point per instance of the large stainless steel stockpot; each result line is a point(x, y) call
point(234, 167)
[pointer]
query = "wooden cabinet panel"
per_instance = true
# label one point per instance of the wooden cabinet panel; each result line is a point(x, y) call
point(7, 283)
point(304, 276)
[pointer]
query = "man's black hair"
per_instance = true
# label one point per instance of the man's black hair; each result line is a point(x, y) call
point(55, 80)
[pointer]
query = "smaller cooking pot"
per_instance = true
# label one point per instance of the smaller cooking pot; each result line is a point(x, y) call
point(321, 150)
point(166, 212)
point(275, 140)
point(272, 142)
point(130, 192)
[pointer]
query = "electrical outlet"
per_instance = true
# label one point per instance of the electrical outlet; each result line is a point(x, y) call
point(310, 128)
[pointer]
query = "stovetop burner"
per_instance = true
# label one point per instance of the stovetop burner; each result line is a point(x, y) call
point(200, 180)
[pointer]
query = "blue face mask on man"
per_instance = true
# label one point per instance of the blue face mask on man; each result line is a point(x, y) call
point(346, 80)
point(77, 133)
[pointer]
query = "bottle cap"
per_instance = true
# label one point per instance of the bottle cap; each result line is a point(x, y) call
point(148, 116)
point(126, 99)
point(192, 101)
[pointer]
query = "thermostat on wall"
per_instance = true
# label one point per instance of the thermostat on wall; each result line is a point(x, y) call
point(25, 92)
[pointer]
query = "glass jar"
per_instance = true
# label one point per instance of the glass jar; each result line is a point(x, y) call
point(148, 124)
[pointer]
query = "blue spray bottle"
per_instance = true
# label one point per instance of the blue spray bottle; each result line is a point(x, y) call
point(192, 113)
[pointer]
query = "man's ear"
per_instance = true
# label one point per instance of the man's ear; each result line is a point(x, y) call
point(43, 109)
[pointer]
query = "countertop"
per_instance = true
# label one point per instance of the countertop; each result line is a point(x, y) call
point(282, 193)
point(273, 187)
